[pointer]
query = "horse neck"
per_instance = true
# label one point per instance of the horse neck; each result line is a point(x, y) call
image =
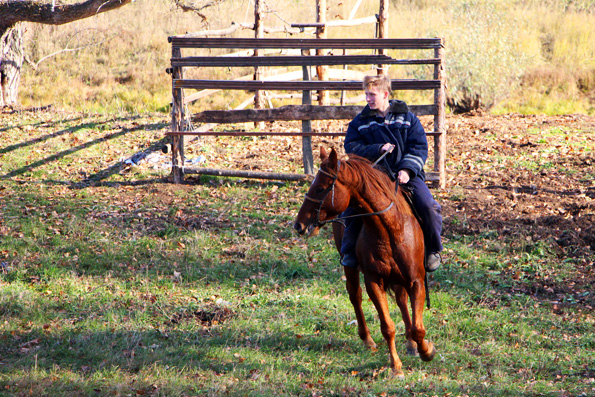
point(365, 193)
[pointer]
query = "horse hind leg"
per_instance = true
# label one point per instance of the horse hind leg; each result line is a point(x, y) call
point(426, 349)
point(401, 298)
point(355, 296)
point(377, 294)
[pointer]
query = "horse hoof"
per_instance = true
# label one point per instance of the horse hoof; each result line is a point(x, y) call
point(397, 373)
point(412, 351)
point(431, 353)
point(371, 345)
point(412, 348)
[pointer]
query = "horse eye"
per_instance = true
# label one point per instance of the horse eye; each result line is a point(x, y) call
point(319, 189)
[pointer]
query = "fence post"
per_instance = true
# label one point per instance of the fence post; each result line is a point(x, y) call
point(177, 122)
point(307, 155)
point(258, 71)
point(440, 118)
point(321, 70)
point(382, 30)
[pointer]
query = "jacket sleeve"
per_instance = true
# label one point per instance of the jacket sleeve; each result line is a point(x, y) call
point(356, 144)
point(415, 153)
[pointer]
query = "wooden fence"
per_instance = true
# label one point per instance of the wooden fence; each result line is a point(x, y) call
point(302, 112)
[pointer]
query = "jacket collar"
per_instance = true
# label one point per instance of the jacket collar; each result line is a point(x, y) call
point(396, 107)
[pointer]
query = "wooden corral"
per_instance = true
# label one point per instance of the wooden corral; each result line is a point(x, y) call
point(296, 112)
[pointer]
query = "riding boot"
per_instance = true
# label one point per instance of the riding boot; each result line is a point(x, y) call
point(352, 229)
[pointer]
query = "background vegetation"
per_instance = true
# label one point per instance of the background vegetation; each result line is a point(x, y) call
point(522, 56)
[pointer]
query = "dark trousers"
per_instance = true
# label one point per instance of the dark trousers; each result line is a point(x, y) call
point(428, 211)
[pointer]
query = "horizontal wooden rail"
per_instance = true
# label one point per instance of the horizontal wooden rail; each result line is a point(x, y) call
point(403, 44)
point(299, 85)
point(254, 133)
point(294, 112)
point(267, 133)
point(248, 174)
point(297, 61)
point(430, 176)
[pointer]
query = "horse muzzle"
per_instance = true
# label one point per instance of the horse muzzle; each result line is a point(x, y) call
point(312, 229)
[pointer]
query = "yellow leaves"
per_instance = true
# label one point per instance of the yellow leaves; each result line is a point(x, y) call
point(239, 358)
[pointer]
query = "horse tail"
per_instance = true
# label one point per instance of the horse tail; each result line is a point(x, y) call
point(427, 291)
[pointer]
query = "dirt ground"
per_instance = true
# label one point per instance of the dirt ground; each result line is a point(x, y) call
point(492, 163)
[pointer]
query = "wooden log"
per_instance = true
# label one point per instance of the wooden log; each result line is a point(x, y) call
point(177, 144)
point(299, 85)
point(307, 155)
point(215, 42)
point(440, 120)
point(258, 71)
point(321, 70)
point(297, 61)
point(237, 133)
point(382, 30)
point(204, 132)
point(294, 112)
point(236, 26)
point(249, 174)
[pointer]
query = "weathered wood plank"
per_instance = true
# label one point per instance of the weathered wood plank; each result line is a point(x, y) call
point(202, 132)
point(215, 42)
point(248, 174)
point(293, 112)
point(299, 85)
point(297, 61)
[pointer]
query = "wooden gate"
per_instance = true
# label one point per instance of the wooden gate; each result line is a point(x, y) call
point(296, 112)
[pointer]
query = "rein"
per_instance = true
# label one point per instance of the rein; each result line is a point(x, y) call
point(330, 189)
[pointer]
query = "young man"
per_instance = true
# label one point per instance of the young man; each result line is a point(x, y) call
point(387, 126)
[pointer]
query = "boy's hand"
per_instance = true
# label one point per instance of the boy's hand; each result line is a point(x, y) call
point(388, 147)
point(403, 177)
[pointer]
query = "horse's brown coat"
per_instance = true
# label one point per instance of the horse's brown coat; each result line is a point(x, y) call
point(390, 247)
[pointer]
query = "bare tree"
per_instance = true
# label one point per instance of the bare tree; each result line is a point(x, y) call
point(14, 12)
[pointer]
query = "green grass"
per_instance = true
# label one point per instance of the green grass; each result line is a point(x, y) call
point(120, 283)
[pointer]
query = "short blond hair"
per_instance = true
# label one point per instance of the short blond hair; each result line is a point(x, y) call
point(381, 82)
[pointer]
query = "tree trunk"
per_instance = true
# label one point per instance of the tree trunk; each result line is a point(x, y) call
point(12, 55)
point(13, 13)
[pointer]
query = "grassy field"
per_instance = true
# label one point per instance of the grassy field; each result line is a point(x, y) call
point(115, 282)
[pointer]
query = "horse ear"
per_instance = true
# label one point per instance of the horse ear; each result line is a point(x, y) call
point(333, 158)
point(323, 154)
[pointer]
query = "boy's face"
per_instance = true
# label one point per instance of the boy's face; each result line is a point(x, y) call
point(376, 98)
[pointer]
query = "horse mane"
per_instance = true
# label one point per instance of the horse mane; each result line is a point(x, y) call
point(375, 179)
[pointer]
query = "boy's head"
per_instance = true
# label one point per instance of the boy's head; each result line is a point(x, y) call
point(377, 90)
point(380, 82)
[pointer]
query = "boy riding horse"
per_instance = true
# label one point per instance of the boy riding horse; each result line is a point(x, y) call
point(387, 125)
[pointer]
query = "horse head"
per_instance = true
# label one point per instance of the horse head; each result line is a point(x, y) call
point(326, 198)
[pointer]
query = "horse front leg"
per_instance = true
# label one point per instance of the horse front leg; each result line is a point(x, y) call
point(426, 349)
point(355, 296)
point(376, 292)
point(401, 298)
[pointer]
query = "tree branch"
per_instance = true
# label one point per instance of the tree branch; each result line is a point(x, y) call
point(53, 13)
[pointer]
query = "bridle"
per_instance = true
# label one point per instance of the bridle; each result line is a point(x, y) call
point(331, 189)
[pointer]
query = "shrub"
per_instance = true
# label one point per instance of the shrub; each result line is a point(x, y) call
point(484, 58)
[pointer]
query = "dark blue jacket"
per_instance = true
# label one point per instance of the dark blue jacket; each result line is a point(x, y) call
point(368, 132)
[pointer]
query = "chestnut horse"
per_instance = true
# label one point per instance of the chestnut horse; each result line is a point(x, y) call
point(389, 250)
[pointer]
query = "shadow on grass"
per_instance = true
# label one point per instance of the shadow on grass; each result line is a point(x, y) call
point(98, 176)
point(58, 133)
